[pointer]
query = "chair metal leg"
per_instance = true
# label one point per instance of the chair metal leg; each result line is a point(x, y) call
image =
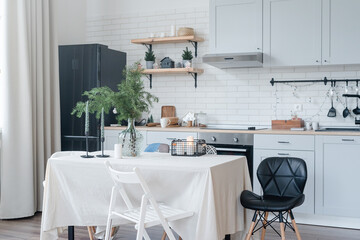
point(282, 226)
point(252, 226)
point(294, 225)
point(264, 229)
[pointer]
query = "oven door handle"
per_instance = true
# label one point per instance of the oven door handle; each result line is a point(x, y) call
point(231, 149)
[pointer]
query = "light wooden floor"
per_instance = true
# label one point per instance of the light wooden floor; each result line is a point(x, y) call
point(29, 229)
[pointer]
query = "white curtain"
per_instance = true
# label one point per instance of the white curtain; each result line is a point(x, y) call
point(30, 103)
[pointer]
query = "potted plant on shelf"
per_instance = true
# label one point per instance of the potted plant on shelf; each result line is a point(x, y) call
point(187, 57)
point(150, 59)
point(130, 101)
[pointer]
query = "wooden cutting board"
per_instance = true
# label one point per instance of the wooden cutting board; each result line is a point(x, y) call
point(168, 111)
point(287, 124)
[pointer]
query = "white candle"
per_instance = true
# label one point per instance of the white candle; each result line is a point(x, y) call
point(190, 145)
point(118, 150)
point(102, 123)
point(87, 118)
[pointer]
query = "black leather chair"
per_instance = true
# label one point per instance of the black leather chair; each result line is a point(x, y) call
point(282, 180)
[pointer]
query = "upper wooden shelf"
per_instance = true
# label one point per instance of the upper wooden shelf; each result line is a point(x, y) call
point(173, 70)
point(167, 40)
point(193, 71)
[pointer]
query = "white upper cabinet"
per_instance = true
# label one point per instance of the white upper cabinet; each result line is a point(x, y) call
point(311, 32)
point(341, 32)
point(292, 32)
point(235, 26)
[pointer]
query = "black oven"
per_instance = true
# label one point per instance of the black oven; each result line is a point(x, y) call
point(232, 144)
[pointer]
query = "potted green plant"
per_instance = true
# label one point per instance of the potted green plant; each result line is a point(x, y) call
point(130, 101)
point(150, 59)
point(187, 57)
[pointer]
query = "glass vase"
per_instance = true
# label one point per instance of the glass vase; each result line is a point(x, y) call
point(131, 140)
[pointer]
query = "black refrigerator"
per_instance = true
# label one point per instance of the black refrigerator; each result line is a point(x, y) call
point(81, 68)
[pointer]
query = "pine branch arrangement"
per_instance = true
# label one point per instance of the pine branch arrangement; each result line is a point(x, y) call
point(130, 101)
point(149, 56)
point(187, 55)
point(98, 98)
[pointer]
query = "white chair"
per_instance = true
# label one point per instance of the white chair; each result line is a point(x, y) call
point(150, 213)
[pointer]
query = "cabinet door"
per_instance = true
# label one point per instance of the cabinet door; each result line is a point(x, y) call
point(337, 176)
point(112, 137)
point(166, 137)
point(235, 26)
point(308, 157)
point(341, 32)
point(292, 32)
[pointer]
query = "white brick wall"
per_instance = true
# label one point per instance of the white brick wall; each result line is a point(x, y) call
point(232, 96)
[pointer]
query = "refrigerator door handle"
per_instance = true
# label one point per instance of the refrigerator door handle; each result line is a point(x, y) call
point(80, 137)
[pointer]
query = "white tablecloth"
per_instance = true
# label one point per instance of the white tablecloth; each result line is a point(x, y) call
point(77, 191)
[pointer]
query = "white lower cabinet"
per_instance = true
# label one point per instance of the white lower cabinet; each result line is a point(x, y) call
point(337, 176)
point(112, 137)
point(275, 149)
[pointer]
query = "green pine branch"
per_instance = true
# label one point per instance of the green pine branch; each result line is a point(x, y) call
point(130, 101)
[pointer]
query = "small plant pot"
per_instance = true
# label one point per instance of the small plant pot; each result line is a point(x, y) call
point(184, 63)
point(149, 64)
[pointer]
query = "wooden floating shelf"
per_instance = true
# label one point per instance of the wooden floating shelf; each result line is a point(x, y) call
point(173, 70)
point(193, 71)
point(148, 42)
point(182, 39)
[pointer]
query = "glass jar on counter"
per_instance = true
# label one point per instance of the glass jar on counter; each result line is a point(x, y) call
point(201, 119)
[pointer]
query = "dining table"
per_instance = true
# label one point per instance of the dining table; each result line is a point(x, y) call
point(77, 192)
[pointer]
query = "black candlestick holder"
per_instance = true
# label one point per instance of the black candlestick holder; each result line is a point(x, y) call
point(102, 149)
point(87, 147)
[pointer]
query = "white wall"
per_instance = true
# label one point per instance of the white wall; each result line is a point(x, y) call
point(96, 8)
point(71, 21)
point(236, 96)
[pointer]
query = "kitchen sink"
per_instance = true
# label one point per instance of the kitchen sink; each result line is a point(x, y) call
point(335, 129)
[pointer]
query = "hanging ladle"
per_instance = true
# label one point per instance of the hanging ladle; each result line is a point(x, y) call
point(357, 109)
point(346, 111)
point(332, 110)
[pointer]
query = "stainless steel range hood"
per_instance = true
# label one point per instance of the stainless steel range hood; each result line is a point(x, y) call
point(234, 60)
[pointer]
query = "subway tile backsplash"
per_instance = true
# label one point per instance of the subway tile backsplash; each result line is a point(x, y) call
point(231, 96)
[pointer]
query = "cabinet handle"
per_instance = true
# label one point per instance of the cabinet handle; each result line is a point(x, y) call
point(325, 60)
point(347, 140)
point(317, 61)
point(283, 142)
point(283, 154)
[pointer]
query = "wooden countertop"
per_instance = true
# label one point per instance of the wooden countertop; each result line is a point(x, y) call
point(265, 131)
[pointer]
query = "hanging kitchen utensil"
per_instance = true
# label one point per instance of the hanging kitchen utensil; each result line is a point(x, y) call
point(357, 109)
point(346, 111)
point(332, 110)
